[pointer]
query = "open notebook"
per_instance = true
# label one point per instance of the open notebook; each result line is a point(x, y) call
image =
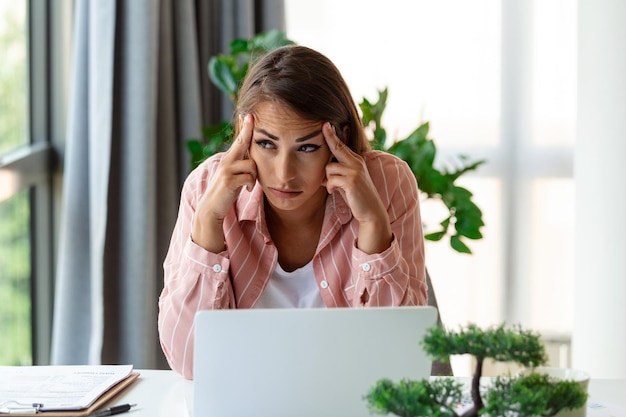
point(303, 362)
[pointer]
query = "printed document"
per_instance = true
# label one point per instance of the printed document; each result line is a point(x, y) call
point(73, 387)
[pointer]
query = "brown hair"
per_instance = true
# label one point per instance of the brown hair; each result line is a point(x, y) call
point(308, 83)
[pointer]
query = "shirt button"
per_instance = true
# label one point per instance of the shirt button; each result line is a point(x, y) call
point(366, 267)
point(217, 268)
point(324, 284)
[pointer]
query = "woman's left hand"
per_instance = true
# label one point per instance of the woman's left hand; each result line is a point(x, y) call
point(348, 174)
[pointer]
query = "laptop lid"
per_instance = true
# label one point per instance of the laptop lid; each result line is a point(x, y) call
point(303, 362)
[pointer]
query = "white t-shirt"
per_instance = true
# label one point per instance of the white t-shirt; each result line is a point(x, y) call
point(296, 289)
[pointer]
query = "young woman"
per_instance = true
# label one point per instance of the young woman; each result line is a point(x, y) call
point(298, 213)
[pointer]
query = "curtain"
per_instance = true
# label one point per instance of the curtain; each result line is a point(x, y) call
point(139, 90)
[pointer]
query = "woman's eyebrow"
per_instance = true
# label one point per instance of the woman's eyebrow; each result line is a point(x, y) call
point(301, 139)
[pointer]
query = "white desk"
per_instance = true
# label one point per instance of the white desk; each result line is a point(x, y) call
point(158, 393)
point(165, 393)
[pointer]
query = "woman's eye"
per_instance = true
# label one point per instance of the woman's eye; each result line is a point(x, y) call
point(309, 148)
point(264, 144)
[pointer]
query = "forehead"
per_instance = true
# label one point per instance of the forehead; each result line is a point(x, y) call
point(278, 117)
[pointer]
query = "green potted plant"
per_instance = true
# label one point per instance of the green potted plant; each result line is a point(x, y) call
point(532, 394)
point(464, 219)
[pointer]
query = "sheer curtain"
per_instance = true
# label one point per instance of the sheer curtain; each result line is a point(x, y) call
point(139, 89)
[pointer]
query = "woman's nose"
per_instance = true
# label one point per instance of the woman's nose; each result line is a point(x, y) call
point(285, 167)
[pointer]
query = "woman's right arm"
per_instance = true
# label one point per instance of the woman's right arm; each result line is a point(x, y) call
point(196, 266)
point(194, 279)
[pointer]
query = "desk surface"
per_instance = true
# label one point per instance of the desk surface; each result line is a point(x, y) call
point(165, 393)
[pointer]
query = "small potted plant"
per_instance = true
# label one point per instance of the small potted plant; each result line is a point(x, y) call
point(529, 394)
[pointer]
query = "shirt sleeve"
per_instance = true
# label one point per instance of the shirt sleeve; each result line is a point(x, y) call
point(194, 279)
point(396, 276)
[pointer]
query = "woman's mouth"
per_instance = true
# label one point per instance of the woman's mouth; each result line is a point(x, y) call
point(284, 193)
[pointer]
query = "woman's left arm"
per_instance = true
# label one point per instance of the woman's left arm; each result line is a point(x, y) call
point(397, 275)
point(381, 191)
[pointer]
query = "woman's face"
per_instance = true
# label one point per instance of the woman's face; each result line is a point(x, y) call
point(291, 154)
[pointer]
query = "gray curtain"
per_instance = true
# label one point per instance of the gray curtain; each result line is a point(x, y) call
point(139, 89)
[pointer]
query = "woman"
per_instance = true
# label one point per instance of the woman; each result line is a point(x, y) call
point(299, 212)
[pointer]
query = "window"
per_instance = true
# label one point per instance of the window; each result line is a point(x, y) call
point(496, 80)
point(34, 41)
point(15, 289)
point(15, 304)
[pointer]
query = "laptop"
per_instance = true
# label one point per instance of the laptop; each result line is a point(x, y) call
point(303, 362)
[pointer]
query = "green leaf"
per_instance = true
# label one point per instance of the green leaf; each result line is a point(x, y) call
point(427, 153)
point(533, 395)
point(408, 398)
point(435, 236)
point(464, 168)
point(240, 46)
point(372, 113)
point(432, 182)
point(195, 149)
point(380, 137)
point(468, 229)
point(194, 145)
point(222, 76)
point(402, 150)
point(457, 245)
point(457, 197)
point(367, 111)
point(500, 343)
point(270, 40)
point(422, 131)
point(216, 129)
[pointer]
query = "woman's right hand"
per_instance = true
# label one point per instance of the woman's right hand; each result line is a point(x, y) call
point(234, 171)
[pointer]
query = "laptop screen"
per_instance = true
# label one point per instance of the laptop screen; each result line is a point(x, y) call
point(303, 362)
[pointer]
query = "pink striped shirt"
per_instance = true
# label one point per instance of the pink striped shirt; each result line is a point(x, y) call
point(196, 279)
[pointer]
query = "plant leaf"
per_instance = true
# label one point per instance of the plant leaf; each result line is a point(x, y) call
point(435, 236)
point(222, 75)
point(457, 245)
point(270, 40)
point(240, 46)
point(195, 149)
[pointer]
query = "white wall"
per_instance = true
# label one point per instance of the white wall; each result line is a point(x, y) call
point(599, 334)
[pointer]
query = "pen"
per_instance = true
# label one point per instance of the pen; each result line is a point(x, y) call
point(118, 409)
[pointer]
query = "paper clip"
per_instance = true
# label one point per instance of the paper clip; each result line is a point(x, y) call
point(15, 407)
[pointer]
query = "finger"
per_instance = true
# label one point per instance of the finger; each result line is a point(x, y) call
point(334, 143)
point(244, 180)
point(241, 145)
point(245, 173)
